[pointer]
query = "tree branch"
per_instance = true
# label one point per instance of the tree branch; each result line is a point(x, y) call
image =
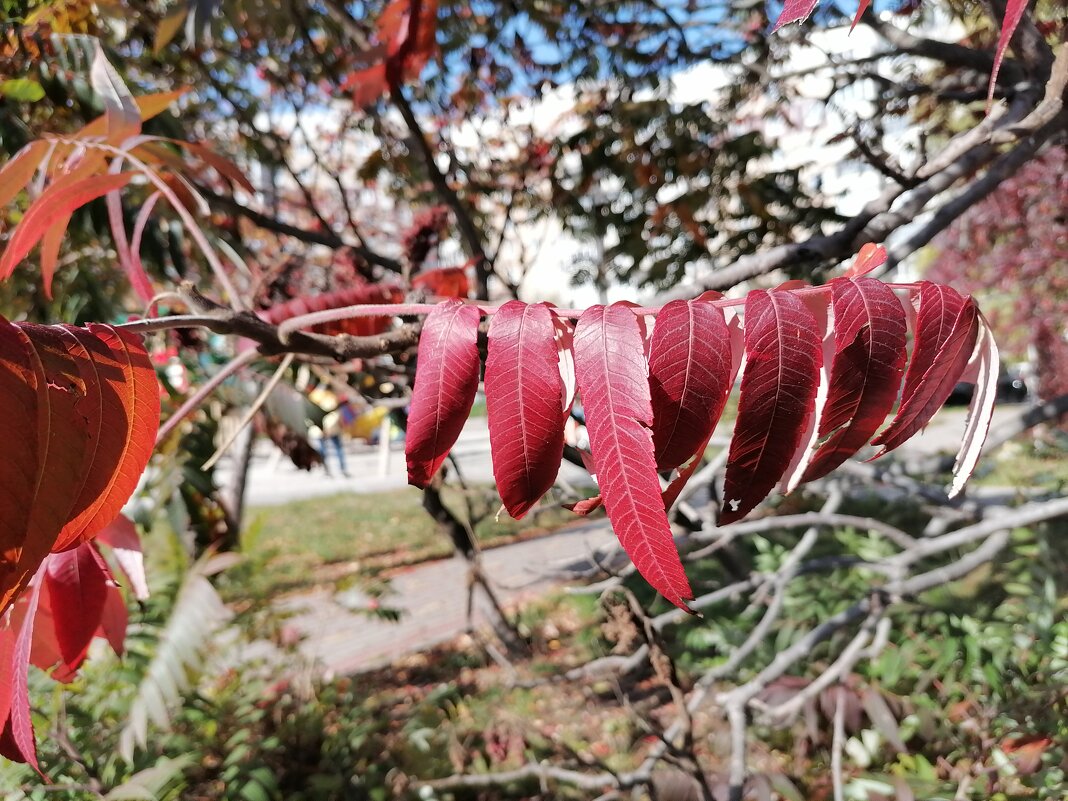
point(468, 231)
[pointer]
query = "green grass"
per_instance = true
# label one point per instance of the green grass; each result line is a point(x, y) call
point(324, 540)
point(1025, 466)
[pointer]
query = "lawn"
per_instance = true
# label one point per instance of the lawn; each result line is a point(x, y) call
point(325, 540)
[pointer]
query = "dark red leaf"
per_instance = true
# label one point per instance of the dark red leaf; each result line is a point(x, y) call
point(794, 11)
point(869, 337)
point(21, 391)
point(64, 431)
point(783, 358)
point(524, 404)
point(690, 377)
point(614, 385)
point(445, 387)
point(76, 581)
point(947, 325)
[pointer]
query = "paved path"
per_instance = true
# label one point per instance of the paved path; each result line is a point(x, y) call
point(344, 637)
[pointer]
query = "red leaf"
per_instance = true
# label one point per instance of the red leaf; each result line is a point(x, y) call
point(55, 202)
point(860, 13)
point(76, 581)
point(524, 403)
point(1014, 11)
point(65, 430)
point(140, 400)
point(778, 393)
point(869, 340)
point(445, 282)
point(870, 257)
point(406, 34)
point(445, 387)
point(17, 742)
point(21, 393)
point(359, 294)
point(690, 378)
point(121, 536)
point(794, 11)
point(101, 450)
point(114, 619)
point(613, 381)
point(678, 484)
point(947, 326)
point(586, 506)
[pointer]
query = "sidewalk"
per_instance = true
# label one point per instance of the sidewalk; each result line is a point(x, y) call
point(341, 633)
point(344, 637)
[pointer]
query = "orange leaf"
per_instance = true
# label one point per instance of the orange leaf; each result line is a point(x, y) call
point(56, 201)
point(17, 172)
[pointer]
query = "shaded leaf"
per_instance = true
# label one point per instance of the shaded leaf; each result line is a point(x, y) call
point(689, 376)
point(122, 537)
point(946, 329)
point(76, 581)
point(783, 358)
point(869, 333)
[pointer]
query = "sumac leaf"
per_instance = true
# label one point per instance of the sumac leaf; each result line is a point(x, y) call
point(783, 358)
point(1014, 11)
point(139, 399)
point(869, 335)
point(689, 376)
point(981, 409)
point(445, 387)
point(794, 11)
point(524, 404)
point(614, 386)
point(17, 741)
point(947, 325)
point(25, 446)
point(55, 202)
point(76, 581)
point(17, 172)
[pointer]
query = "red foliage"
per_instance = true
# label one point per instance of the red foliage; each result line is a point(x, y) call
point(404, 43)
point(525, 401)
point(79, 410)
point(815, 388)
point(445, 387)
point(1011, 249)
